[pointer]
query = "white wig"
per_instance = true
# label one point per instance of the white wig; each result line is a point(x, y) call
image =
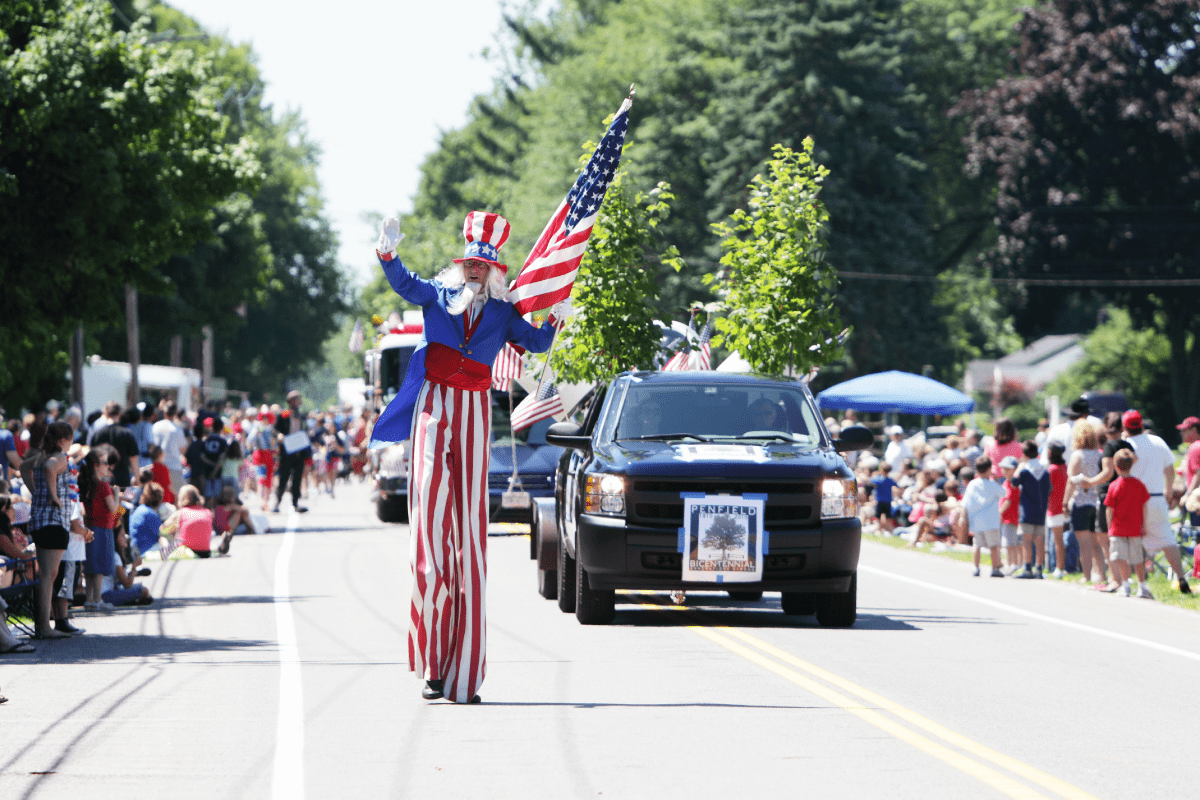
point(453, 277)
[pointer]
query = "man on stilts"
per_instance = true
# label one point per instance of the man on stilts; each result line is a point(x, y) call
point(445, 407)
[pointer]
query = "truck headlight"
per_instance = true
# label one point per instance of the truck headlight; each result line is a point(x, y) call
point(839, 498)
point(605, 494)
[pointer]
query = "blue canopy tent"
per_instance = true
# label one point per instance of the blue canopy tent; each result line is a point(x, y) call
point(897, 393)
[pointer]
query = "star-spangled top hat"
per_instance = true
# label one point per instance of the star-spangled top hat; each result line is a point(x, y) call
point(485, 233)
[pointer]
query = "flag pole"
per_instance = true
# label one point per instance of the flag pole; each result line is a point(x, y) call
point(553, 342)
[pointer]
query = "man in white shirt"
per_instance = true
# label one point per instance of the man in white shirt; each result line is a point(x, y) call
point(1062, 433)
point(168, 435)
point(897, 450)
point(1155, 467)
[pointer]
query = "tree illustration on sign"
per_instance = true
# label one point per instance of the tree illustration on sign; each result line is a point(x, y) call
point(724, 534)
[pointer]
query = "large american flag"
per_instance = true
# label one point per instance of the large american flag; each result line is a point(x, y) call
point(535, 408)
point(550, 270)
point(506, 367)
point(356, 337)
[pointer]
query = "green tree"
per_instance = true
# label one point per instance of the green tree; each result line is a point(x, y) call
point(776, 285)
point(835, 71)
point(1094, 142)
point(267, 278)
point(615, 289)
point(112, 156)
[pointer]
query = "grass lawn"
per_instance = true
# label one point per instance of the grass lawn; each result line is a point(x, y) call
point(1159, 585)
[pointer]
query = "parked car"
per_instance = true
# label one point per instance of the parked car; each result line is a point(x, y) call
point(653, 441)
point(537, 462)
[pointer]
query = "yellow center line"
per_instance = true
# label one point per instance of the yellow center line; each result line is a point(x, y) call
point(997, 780)
point(1033, 774)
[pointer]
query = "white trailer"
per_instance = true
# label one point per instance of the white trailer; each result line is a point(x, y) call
point(109, 380)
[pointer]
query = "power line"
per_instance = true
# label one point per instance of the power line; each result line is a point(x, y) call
point(1076, 282)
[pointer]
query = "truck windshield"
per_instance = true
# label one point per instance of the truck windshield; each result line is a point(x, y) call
point(393, 364)
point(719, 411)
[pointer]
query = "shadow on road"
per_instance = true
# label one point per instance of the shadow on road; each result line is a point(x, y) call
point(532, 704)
point(714, 612)
point(117, 647)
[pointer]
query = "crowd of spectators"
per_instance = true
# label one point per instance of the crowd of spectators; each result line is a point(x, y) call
point(89, 504)
point(1088, 496)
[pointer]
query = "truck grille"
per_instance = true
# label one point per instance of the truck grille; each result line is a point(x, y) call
point(656, 502)
point(530, 482)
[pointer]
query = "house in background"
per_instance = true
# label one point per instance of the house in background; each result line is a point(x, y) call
point(1027, 371)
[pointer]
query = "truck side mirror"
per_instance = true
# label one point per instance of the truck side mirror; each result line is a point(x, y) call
point(568, 434)
point(855, 437)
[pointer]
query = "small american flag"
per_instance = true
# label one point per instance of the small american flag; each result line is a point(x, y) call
point(356, 337)
point(535, 408)
point(697, 358)
point(704, 357)
point(507, 367)
point(550, 270)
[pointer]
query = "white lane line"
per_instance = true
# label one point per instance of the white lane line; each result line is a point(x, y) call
point(288, 780)
point(1166, 648)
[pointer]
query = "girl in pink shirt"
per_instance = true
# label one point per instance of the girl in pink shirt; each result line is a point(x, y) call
point(193, 522)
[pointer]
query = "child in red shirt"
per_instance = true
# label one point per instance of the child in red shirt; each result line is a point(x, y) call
point(1125, 505)
point(162, 475)
point(1010, 516)
point(100, 514)
point(1055, 517)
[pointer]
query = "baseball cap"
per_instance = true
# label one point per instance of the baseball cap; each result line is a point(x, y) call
point(1190, 422)
point(1009, 462)
point(293, 395)
point(1131, 419)
point(895, 430)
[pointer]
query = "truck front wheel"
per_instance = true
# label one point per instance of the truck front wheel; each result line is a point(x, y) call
point(839, 610)
point(592, 606)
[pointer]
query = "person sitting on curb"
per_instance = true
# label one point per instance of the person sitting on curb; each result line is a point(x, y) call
point(230, 517)
point(124, 591)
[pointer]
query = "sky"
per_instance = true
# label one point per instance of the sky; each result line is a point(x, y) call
point(375, 81)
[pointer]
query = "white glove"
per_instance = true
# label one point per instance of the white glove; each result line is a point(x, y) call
point(1078, 479)
point(390, 237)
point(560, 312)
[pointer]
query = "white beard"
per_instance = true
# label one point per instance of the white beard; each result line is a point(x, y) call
point(466, 298)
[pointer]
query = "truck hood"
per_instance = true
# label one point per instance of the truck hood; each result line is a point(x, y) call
point(729, 459)
point(541, 460)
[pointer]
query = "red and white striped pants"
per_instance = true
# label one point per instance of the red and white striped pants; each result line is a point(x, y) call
point(448, 513)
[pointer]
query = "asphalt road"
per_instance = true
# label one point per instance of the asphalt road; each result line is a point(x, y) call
point(278, 672)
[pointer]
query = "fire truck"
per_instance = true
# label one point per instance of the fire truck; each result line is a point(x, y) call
point(385, 366)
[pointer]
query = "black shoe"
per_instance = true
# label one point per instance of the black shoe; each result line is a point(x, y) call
point(66, 627)
point(432, 690)
point(143, 572)
point(301, 509)
point(475, 700)
point(275, 508)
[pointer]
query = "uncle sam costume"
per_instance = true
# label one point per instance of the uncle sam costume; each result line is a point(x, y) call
point(445, 405)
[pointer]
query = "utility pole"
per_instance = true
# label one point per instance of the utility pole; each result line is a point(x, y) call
point(135, 344)
point(206, 370)
point(77, 367)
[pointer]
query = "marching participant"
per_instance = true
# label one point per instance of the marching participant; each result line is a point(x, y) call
point(445, 404)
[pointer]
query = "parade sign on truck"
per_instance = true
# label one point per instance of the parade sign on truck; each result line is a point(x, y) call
point(722, 538)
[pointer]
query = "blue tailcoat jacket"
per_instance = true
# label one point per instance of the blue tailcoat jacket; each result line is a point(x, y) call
point(498, 323)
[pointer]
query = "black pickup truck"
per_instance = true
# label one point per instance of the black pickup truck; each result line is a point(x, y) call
point(655, 443)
